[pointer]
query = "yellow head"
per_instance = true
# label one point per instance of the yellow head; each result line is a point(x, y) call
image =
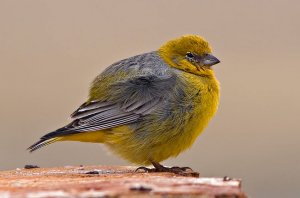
point(190, 53)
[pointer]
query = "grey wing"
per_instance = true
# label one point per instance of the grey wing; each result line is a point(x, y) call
point(132, 100)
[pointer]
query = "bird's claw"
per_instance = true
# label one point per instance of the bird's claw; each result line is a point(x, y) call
point(185, 168)
point(184, 171)
point(145, 169)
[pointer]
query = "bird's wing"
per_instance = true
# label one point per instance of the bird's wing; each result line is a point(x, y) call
point(124, 93)
point(129, 100)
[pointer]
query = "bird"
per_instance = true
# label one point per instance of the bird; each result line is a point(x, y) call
point(149, 107)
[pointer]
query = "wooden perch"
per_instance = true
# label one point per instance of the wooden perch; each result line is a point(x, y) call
point(111, 181)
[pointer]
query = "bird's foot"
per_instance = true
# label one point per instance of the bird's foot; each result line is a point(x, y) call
point(145, 169)
point(184, 171)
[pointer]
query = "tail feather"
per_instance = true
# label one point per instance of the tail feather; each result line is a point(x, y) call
point(43, 142)
point(49, 138)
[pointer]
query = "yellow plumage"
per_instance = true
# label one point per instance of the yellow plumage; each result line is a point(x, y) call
point(149, 107)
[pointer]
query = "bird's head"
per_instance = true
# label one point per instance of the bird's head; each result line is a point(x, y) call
point(190, 53)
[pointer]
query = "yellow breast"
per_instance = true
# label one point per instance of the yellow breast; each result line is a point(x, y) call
point(206, 101)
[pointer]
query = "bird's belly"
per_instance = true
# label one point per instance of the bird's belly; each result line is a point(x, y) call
point(159, 144)
point(178, 141)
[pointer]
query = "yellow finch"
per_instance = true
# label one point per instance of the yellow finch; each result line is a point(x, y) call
point(149, 107)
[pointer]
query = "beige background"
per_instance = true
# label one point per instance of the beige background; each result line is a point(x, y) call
point(51, 50)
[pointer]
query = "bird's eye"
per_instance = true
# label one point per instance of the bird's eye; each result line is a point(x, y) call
point(189, 55)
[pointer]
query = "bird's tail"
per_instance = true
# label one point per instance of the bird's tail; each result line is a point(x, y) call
point(44, 141)
point(63, 134)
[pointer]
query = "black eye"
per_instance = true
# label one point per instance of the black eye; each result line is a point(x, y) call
point(189, 55)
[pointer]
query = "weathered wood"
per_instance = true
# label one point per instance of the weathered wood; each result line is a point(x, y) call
point(111, 181)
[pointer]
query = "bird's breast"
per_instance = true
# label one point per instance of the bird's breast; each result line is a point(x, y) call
point(203, 94)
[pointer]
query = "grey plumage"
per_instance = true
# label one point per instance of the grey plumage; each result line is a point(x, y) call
point(132, 98)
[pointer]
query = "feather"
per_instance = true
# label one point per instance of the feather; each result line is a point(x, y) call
point(42, 142)
point(127, 103)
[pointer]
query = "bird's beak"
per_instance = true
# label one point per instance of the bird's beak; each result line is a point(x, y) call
point(209, 60)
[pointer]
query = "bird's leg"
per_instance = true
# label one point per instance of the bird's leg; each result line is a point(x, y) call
point(185, 171)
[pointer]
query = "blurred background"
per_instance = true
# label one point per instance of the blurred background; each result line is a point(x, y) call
point(50, 51)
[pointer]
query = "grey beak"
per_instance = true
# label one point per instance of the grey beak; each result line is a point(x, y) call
point(209, 60)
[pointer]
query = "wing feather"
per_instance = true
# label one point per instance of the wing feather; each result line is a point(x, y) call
point(146, 84)
point(135, 99)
